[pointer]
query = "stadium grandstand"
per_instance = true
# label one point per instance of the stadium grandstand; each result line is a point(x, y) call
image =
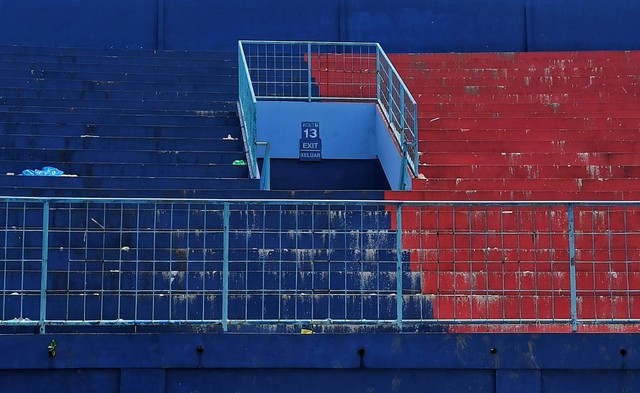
point(341, 196)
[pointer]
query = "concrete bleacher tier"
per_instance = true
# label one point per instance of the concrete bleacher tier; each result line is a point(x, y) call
point(122, 123)
point(493, 127)
point(525, 127)
point(145, 124)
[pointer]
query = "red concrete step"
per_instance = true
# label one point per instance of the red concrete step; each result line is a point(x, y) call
point(536, 327)
point(532, 158)
point(521, 195)
point(427, 134)
point(483, 107)
point(531, 171)
point(543, 112)
point(530, 82)
point(499, 71)
point(506, 88)
point(524, 122)
point(504, 254)
point(540, 282)
point(604, 97)
point(501, 307)
point(533, 307)
point(562, 60)
point(515, 184)
point(511, 144)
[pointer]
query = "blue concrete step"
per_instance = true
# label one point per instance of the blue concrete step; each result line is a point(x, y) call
point(126, 123)
point(81, 183)
point(95, 65)
point(120, 64)
point(201, 119)
point(90, 75)
point(13, 103)
point(211, 84)
point(87, 142)
point(221, 109)
point(225, 94)
point(195, 194)
point(114, 53)
point(125, 191)
point(121, 130)
point(120, 169)
point(122, 156)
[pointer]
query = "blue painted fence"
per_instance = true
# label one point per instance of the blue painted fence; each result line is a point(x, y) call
point(288, 263)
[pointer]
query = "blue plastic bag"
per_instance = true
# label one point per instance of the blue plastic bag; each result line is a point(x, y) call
point(46, 171)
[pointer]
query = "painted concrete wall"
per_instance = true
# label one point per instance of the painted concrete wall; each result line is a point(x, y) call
point(388, 154)
point(407, 26)
point(314, 363)
point(349, 132)
point(78, 23)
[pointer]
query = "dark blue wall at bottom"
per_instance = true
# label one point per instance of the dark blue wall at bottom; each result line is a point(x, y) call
point(359, 362)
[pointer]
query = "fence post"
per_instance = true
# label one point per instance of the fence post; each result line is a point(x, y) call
point(402, 120)
point(416, 138)
point(43, 269)
point(309, 72)
point(378, 78)
point(572, 269)
point(225, 268)
point(392, 117)
point(399, 299)
point(265, 173)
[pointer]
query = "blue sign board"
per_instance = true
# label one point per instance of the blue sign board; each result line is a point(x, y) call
point(310, 142)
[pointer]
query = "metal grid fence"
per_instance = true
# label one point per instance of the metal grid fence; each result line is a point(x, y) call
point(329, 71)
point(78, 262)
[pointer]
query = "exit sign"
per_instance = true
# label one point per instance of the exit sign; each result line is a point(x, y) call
point(310, 142)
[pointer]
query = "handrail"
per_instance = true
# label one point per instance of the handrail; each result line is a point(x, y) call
point(265, 177)
point(335, 71)
point(405, 122)
point(247, 112)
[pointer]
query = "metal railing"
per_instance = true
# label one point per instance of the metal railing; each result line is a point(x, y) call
point(330, 71)
point(86, 262)
point(247, 111)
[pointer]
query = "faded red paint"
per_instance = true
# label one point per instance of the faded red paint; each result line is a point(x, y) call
point(520, 127)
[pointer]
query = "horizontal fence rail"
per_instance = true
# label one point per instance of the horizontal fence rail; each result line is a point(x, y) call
point(330, 71)
point(234, 263)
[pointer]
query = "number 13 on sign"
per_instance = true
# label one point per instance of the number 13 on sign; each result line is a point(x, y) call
point(310, 130)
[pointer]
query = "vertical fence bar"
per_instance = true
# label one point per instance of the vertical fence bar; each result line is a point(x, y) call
point(309, 71)
point(378, 71)
point(225, 268)
point(401, 111)
point(416, 146)
point(392, 115)
point(45, 261)
point(399, 266)
point(572, 268)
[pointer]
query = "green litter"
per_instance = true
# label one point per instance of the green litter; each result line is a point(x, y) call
point(239, 162)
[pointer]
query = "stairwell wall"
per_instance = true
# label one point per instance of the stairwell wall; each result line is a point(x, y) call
point(351, 145)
